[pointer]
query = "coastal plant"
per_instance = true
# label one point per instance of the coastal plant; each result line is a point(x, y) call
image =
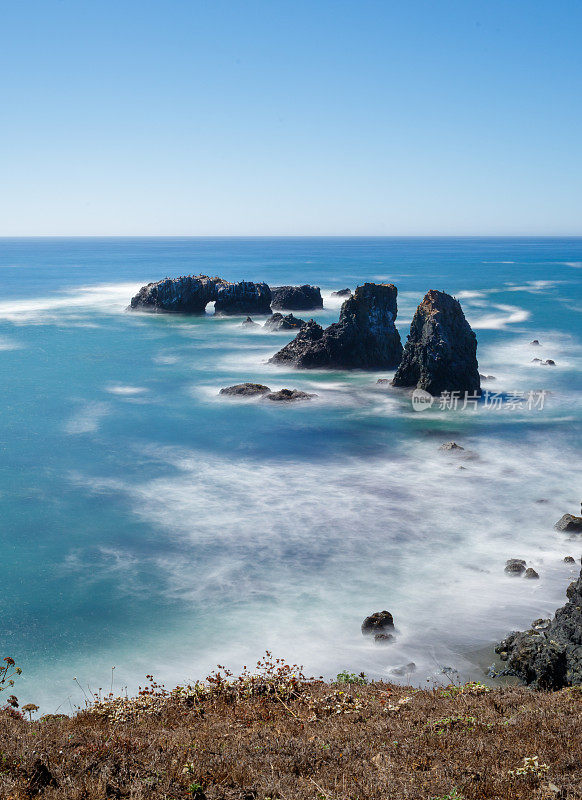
point(7, 675)
point(352, 678)
point(531, 767)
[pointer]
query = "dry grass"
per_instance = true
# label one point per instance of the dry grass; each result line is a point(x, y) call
point(280, 736)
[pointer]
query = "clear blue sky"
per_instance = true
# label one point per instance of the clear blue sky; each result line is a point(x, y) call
point(290, 117)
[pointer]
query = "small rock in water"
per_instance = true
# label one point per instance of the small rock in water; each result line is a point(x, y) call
point(531, 573)
point(550, 363)
point(515, 566)
point(288, 395)
point(451, 446)
point(569, 560)
point(377, 622)
point(536, 361)
point(245, 390)
point(342, 293)
point(535, 342)
point(383, 380)
point(405, 669)
point(248, 323)
point(569, 524)
point(487, 377)
point(383, 638)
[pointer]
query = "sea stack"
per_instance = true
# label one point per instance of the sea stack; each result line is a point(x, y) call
point(190, 294)
point(441, 352)
point(364, 338)
point(296, 298)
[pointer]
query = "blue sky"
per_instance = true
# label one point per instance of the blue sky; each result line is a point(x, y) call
point(210, 117)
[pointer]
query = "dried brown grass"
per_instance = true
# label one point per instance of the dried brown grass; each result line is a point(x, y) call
point(281, 736)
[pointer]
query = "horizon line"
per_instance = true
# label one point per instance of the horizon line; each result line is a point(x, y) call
point(293, 236)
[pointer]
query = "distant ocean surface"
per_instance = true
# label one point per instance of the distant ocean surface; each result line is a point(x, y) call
point(150, 525)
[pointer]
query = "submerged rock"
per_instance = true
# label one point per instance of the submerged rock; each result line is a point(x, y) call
point(378, 622)
point(535, 343)
point(487, 377)
point(280, 323)
point(248, 323)
point(515, 566)
point(549, 656)
point(531, 573)
point(190, 294)
point(451, 446)
point(382, 381)
point(342, 293)
point(288, 396)
point(569, 524)
point(383, 638)
point(364, 338)
point(441, 352)
point(296, 298)
point(569, 560)
point(245, 390)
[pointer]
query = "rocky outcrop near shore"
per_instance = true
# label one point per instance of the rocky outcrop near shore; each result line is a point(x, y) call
point(296, 298)
point(569, 524)
point(190, 294)
point(441, 352)
point(549, 654)
point(364, 338)
point(278, 322)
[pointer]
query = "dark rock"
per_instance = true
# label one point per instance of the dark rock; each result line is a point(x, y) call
point(383, 638)
point(296, 298)
point(378, 622)
point(569, 524)
point(245, 390)
point(248, 323)
point(441, 352)
point(280, 323)
point(569, 560)
point(549, 657)
point(531, 573)
point(364, 338)
point(550, 363)
point(288, 396)
point(383, 380)
point(342, 293)
point(536, 361)
point(535, 342)
point(515, 566)
point(451, 446)
point(190, 294)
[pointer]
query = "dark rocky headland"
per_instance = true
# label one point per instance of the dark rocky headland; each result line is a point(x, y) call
point(549, 654)
point(441, 352)
point(364, 338)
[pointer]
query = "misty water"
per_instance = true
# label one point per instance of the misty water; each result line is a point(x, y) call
point(151, 525)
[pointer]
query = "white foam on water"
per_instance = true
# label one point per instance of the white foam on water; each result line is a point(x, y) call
point(87, 419)
point(125, 391)
point(108, 298)
point(298, 569)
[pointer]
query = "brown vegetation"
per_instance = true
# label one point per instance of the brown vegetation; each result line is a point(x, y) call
point(274, 734)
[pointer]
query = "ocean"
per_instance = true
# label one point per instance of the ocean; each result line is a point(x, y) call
point(149, 525)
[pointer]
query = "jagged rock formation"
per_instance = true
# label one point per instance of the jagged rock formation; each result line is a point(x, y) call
point(549, 655)
point(190, 294)
point(245, 390)
point(364, 338)
point(441, 352)
point(296, 298)
point(280, 323)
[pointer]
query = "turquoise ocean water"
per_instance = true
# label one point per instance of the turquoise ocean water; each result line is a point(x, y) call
point(150, 525)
